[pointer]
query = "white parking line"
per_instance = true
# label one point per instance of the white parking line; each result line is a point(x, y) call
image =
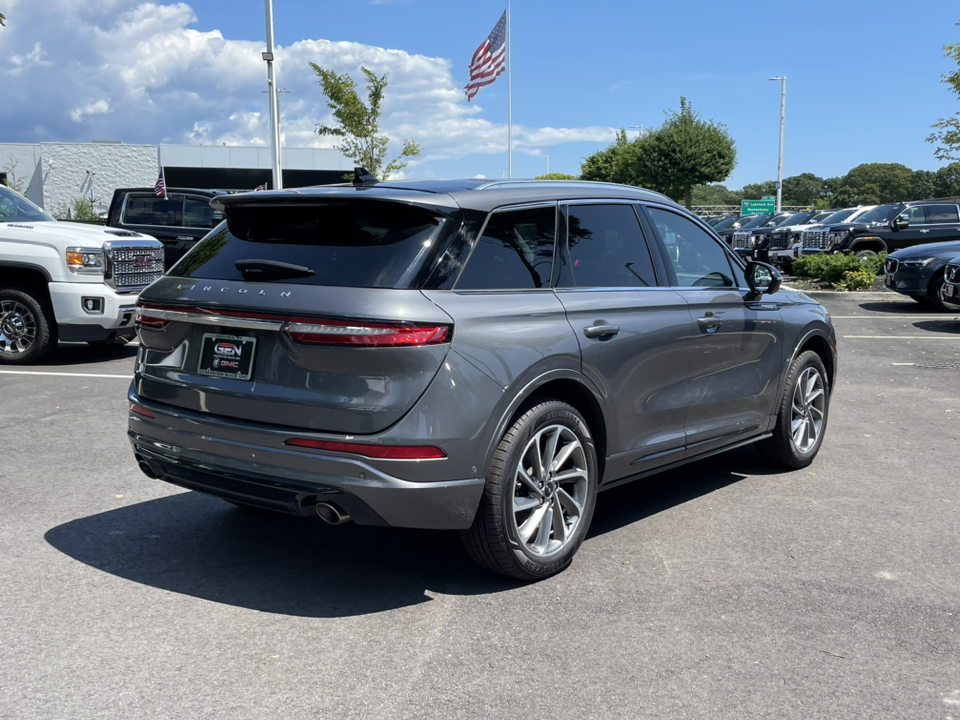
point(951, 318)
point(901, 337)
point(64, 374)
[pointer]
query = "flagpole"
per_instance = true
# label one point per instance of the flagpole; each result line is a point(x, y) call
point(509, 95)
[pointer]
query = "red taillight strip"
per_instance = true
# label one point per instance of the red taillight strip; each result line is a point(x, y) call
point(379, 452)
point(313, 331)
point(337, 332)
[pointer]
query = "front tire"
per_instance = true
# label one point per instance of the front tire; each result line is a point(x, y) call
point(539, 496)
point(935, 296)
point(27, 330)
point(802, 415)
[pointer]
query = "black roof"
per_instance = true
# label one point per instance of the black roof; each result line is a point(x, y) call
point(478, 194)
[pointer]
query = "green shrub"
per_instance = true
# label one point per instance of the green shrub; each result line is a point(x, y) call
point(859, 279)
point(833, 268)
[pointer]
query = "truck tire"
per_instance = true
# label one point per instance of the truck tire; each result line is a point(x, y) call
point(28, 332)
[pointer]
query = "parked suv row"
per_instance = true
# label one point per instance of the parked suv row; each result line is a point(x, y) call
point(470, 355)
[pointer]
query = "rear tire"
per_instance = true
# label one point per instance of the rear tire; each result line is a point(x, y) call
point(28, 332)
point(802, 416)
point(539, 497)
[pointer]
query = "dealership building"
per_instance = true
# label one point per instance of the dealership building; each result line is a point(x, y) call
point(55, 175)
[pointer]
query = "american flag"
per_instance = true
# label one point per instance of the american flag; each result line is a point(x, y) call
point(259, 188)
point(160, 187)
point(489, 60)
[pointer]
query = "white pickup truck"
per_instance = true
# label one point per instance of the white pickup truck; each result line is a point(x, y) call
point(66, 281)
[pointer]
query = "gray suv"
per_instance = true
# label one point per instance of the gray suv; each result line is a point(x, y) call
point(471, 355)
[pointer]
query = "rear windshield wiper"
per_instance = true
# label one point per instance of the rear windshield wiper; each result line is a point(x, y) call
point(266, 270)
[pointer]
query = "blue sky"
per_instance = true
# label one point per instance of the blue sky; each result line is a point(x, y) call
point(863, 77)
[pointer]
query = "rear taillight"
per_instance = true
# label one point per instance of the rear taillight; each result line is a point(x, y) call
point(149, 317)
point(340, 332)
point(380, 452)
point(139, 410)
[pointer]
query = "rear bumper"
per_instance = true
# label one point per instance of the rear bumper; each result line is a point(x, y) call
point(263, 472)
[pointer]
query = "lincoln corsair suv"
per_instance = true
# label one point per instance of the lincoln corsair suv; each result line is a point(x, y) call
point(469, 355)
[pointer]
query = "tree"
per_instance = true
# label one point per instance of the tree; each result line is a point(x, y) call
point(714, 195)
point(685, 151)
point(924, 186)
point(874, 183)
point(755, 191)
point(802, 189)
point(946, 133)
point(359, 124)
point(948, 181)
point(2, 18)
point(609, 164)
point(556, 176)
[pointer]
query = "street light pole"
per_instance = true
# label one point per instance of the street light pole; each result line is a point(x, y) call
point(783, 110)
point(548, 162)
point(272, 92)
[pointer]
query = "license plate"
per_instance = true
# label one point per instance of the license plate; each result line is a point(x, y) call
point(949, 290)
point(229, 356)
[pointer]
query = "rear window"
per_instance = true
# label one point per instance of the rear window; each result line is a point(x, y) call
point(344, 243)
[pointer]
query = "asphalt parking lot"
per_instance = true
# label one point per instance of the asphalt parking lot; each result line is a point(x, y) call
point(720, 590)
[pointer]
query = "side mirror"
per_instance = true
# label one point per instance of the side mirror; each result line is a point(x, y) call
point(762, 278)
point(900, 223)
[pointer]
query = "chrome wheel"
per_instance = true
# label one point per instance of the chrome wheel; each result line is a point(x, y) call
point(809, 410)
point(18, 328)
point(550, 490)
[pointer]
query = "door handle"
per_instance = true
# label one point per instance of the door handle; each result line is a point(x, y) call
point(710, 322)
point(599, 331)
point(184, 237)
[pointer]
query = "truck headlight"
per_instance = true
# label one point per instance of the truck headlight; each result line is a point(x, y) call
point(88, 261)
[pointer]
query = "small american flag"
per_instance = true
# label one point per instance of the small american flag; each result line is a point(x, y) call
point(160, 187)
point(259, 188)
point(489, 60)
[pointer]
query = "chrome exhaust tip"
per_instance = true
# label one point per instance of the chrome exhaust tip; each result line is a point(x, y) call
point(331, 514)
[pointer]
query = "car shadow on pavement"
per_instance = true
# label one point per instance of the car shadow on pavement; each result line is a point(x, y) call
point(197, 545)
point(84, 354)
point(894, 307)
point(949, 324)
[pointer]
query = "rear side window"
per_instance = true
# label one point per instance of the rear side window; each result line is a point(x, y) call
point(346, 243)
point(515, 251)
point(197, 213)
point(942, 214)
point(607, 247)
point(154, 210)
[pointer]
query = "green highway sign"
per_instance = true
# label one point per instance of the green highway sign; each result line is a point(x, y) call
point(757, 207)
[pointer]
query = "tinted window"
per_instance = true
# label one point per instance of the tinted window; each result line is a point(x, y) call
point(942, 214)
point(515, 251)
point(16, 208)
point(154, 210)
point(838, 217)
point(346, 244)
point(697, 259)
point(914, 215)
point(607, 248)
point(197, 212)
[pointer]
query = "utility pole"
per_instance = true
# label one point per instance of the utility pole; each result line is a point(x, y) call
point(783, 111)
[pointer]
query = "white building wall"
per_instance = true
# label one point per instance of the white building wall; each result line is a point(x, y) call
point(53, 175)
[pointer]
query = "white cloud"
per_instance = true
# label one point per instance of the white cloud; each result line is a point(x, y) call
point(100, 107)
point(138, 72)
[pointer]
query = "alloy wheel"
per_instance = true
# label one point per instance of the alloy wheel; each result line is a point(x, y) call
point(18, 328)
point(550, 490)
point(809, 409)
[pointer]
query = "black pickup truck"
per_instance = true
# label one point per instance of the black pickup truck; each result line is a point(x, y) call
point(177, 219)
